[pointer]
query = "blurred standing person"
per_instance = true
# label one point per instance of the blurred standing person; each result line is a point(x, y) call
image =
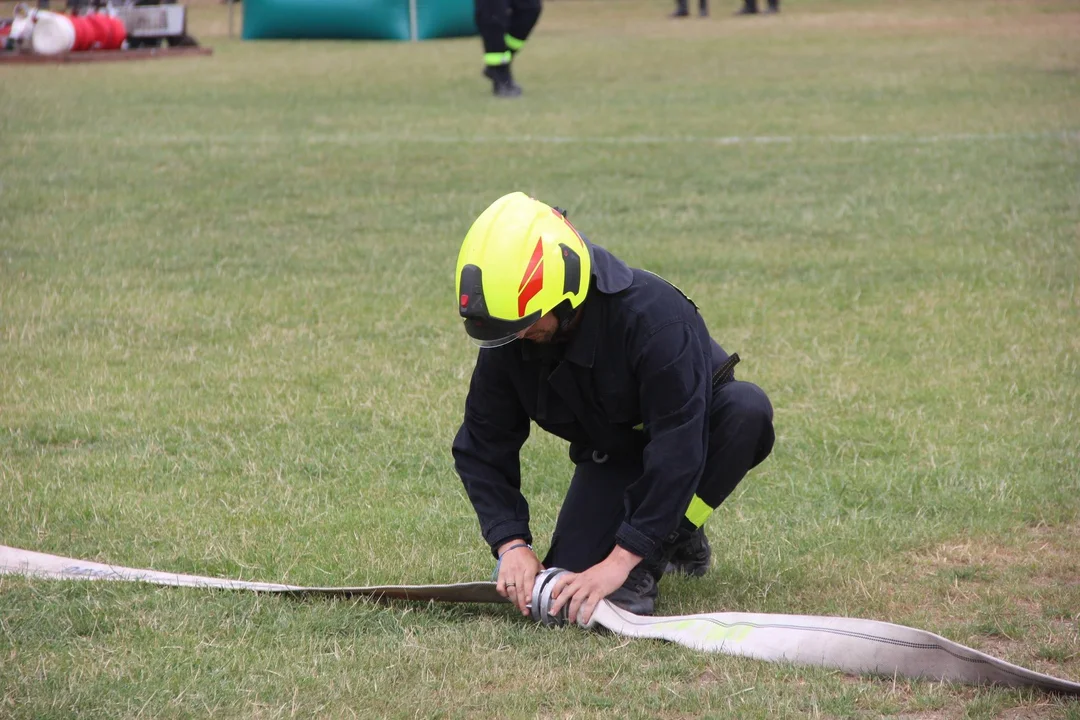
point(750, 7)
point(504, 27)
point(682, 8)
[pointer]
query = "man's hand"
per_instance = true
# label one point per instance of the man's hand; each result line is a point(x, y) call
point(582, 592)
point(518, 568)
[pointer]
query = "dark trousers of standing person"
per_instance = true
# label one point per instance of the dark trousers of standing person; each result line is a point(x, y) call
point(682, 8)
point(750, 7)
point(740, 436)
point(504, 27)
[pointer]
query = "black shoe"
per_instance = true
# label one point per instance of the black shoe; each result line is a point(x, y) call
point(689, 555)
point(681, 9)
point(502, 82)
point(639, 593)
point(703, 9)
point(748, 9)
point(772, 9)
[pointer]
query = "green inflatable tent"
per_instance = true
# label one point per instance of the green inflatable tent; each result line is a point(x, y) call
point(357, 19)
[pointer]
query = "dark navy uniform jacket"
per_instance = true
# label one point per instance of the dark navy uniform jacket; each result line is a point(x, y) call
point(636, 377)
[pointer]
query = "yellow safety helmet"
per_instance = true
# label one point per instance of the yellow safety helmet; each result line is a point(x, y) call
point(520, 260)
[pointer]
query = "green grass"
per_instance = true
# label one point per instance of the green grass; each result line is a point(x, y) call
point(228, 347)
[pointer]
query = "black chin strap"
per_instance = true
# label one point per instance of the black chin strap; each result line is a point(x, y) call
point(564, 311)
point(565, 314)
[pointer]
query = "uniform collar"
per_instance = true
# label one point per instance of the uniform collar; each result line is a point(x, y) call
point(581, 350)
point(611, 274)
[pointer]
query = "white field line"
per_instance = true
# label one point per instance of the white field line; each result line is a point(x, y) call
point(358, 139)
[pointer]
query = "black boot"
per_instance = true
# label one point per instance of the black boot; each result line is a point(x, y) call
point(688, 553)
point(749, 8)
point(681, 9)
point(639, 593)
point(502, 82)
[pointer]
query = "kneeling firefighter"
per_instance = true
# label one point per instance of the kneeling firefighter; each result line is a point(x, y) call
point(619, 363)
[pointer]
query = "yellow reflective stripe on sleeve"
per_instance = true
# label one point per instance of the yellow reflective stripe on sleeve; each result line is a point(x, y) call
point(513, 43)
point(497, 58)
point(640, 426)
point(698, 512)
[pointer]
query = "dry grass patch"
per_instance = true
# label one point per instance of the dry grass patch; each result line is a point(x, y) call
point(971, 22)
point(1048, 556)
point(1032, 712)
point(1041, 711)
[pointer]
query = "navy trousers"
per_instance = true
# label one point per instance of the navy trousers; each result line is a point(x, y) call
point(740, 437)
point(498, 18)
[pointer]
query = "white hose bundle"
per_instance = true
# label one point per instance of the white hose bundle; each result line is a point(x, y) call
point(22, 25)
point(53, 33)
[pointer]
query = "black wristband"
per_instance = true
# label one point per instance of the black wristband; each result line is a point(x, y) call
point(514, 547)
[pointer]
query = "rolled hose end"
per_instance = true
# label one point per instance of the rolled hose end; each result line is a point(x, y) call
point(541, 598)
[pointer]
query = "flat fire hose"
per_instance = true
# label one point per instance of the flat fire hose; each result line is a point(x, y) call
point(850, 645)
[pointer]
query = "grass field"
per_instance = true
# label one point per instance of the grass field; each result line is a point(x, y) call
point(228, 346)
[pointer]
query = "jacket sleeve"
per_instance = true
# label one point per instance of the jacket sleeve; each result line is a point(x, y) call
point(486, 453)
point(673, 377)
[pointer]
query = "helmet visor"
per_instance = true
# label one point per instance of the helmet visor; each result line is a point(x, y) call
point(498, 342)
point(489, 332)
